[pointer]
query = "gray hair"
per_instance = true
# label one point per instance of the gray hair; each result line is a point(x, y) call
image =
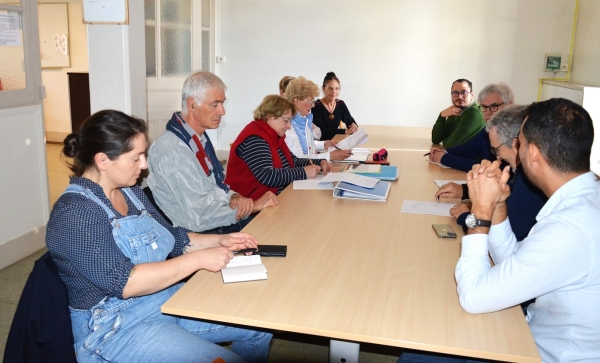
point(507, 123)
point(501, 89)
point(197, 86)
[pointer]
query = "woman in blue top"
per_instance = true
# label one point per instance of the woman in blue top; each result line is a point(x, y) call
point(111, 248)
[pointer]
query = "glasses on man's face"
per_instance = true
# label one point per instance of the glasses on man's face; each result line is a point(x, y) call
point(492, 107)
point(312, 102)
point(494, 150)
point(463, 93)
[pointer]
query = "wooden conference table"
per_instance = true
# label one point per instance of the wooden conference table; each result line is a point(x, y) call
point(361, 271)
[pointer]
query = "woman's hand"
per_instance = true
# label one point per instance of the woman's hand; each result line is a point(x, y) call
point(326, 166)
point(339, 154)
point(312, 171)
point(213, 259)
point(353, 128)
point(238, 241)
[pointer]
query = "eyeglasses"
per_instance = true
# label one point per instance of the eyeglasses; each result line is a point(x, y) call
point(463, 93)
point(312, 102)
point(492, 107)
point(494, 150)
point(286, 119)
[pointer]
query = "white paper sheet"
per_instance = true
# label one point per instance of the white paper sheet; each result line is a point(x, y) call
point(356, 179)
point(438, 164)
point(434, 208)
point(352, 141)
point(440, 182)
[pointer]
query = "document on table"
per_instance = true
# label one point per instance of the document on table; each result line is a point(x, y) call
point(244, 268)
point(440, 183)
point(438, 164)
point(352, 141)
point(313, 183)
point(418, 207)
point(356, 179)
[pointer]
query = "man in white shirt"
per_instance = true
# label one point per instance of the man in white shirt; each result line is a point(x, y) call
point(559, 261)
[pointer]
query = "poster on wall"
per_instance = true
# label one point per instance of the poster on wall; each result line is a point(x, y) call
point(10, 35)
point(105, 12)
point(53, 22)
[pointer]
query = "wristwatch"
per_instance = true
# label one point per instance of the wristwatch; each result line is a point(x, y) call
point(473, 222)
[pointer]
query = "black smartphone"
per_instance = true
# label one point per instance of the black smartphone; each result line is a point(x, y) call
point(271, 250)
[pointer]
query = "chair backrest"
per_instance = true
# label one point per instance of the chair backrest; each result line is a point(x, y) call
point(148, 193)
point(41, 328)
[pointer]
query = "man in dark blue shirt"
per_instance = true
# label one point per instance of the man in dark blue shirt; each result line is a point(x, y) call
point(526, 200)
point(491, 99)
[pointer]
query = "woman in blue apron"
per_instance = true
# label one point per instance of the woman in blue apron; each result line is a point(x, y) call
point(111, 248)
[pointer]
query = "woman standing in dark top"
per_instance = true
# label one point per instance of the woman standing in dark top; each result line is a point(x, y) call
point(329, 111)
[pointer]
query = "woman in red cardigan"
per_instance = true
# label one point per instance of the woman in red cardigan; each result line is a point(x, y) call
point(260, 161)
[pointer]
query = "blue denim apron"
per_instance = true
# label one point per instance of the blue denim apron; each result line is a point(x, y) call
point(141, 239)
point(134, 329)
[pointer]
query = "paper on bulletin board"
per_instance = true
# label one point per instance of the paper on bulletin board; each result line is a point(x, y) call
point(10, 34)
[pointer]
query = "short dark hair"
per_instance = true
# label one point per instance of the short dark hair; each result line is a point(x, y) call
point(108, 131)
point(330, 76)
point(563, 131)
point(461, 80)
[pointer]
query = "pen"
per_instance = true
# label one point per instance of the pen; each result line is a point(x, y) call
point(426, 154)
point(337, 148)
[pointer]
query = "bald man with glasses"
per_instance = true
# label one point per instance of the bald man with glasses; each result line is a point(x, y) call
point(460, 122)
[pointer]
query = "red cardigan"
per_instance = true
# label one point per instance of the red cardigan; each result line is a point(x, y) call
point(239, 177)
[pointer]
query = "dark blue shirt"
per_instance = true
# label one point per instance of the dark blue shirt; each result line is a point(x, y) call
point(464, 156)
point(79, 237)
point(523, 205)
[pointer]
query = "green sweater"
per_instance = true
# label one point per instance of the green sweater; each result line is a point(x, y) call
point(456, 130)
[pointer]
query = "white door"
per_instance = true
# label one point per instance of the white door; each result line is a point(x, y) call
point(24, 179)
point(179, 40)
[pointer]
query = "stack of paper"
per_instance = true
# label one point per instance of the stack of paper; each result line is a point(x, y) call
point(356, 179)
point(345, 190)
point(363, 169)
point(386, 172)
point(244, 268)
point(313, 183)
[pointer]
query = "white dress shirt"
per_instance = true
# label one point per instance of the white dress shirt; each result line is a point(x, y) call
point(558, 263)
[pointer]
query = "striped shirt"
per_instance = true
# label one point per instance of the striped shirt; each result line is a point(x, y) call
point(257, 154)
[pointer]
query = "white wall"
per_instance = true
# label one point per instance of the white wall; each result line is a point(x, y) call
point(587, 50)
point(57, 112)
point(396, 59)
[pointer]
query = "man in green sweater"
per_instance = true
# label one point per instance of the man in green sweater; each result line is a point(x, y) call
point(460, 122)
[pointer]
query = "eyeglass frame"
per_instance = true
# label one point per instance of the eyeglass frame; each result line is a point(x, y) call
point(494, 150)
point(312, 102)
point(287, 120)
point(490, 107)
point(463, 93)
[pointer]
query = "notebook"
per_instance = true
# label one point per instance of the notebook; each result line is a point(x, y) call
point(379, 192)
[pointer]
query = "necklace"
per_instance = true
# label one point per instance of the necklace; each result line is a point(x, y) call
point(330, 109)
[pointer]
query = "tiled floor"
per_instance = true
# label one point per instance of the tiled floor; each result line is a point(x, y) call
point(286, 348)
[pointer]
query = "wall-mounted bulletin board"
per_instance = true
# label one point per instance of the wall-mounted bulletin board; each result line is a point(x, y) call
point(53, 22)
